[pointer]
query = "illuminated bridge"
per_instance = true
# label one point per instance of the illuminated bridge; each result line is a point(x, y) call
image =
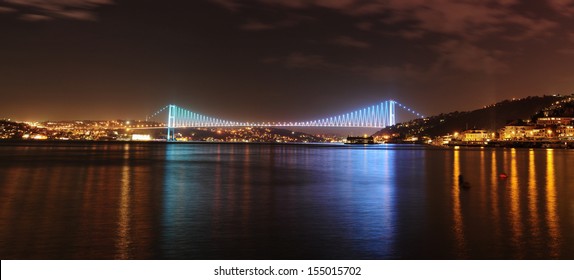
point(376, 116)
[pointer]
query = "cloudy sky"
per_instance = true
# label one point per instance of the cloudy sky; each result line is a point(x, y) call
point(277, 60)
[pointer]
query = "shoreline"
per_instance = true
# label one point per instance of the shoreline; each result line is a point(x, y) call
point(544, 144)
point(491, 144)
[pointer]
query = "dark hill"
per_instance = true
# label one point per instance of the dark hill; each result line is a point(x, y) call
point(490, 118)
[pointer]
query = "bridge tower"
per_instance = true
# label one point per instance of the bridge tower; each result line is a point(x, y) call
point(392, 117)
point(171, 123)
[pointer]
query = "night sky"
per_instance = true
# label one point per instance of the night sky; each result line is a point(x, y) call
point(277, 60)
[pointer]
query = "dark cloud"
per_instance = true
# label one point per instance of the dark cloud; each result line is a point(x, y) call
point(467, 19)
point(301, 60)
point(289, 20)
point(461, 27)
point(566, 51)
point(335, 4)
point(565, 7)
point(32, 17)
point(364, 25)
point(40, 10)
point(471, 20)
point(407, 72)
point(5, 10)
point(230, 5)
point(257, 26)
point(347, 41)
point(460, 55)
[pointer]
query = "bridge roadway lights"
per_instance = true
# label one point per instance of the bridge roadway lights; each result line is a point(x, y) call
point(380, 115)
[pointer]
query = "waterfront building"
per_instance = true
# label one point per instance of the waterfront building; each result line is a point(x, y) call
point(540, 133)
point(555, 121)
point(517, 130)
point(475, 135)
point(565, 132)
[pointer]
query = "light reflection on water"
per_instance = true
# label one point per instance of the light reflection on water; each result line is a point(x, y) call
point(457, 211)
point(145, 201)
point(514, 213)
point(124, 236)
point(552, 216)
point(534, 225)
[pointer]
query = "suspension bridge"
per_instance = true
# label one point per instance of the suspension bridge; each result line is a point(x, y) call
point(377, 116)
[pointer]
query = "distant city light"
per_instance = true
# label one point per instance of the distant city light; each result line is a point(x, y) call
point(141, 137)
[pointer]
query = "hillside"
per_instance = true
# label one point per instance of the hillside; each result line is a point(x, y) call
point(243, 134)
point(490, 117)
point(12, 130)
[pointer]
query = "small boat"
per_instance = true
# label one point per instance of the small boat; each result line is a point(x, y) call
point(462, 183)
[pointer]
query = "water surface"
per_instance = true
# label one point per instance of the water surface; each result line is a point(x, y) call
point(227, 201)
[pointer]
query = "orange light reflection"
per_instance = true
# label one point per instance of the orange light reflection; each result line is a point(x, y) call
point(551, 215)
point(533, 195)
point(457, 214)
point(515, 223)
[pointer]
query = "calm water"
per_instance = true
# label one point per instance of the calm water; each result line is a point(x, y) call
point(209, 201)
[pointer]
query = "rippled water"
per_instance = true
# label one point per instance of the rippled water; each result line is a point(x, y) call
point(225, 201)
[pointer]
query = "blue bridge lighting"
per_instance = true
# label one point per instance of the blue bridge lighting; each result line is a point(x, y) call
point(376, 116)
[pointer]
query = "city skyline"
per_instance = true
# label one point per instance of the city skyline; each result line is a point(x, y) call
point(277, 60)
